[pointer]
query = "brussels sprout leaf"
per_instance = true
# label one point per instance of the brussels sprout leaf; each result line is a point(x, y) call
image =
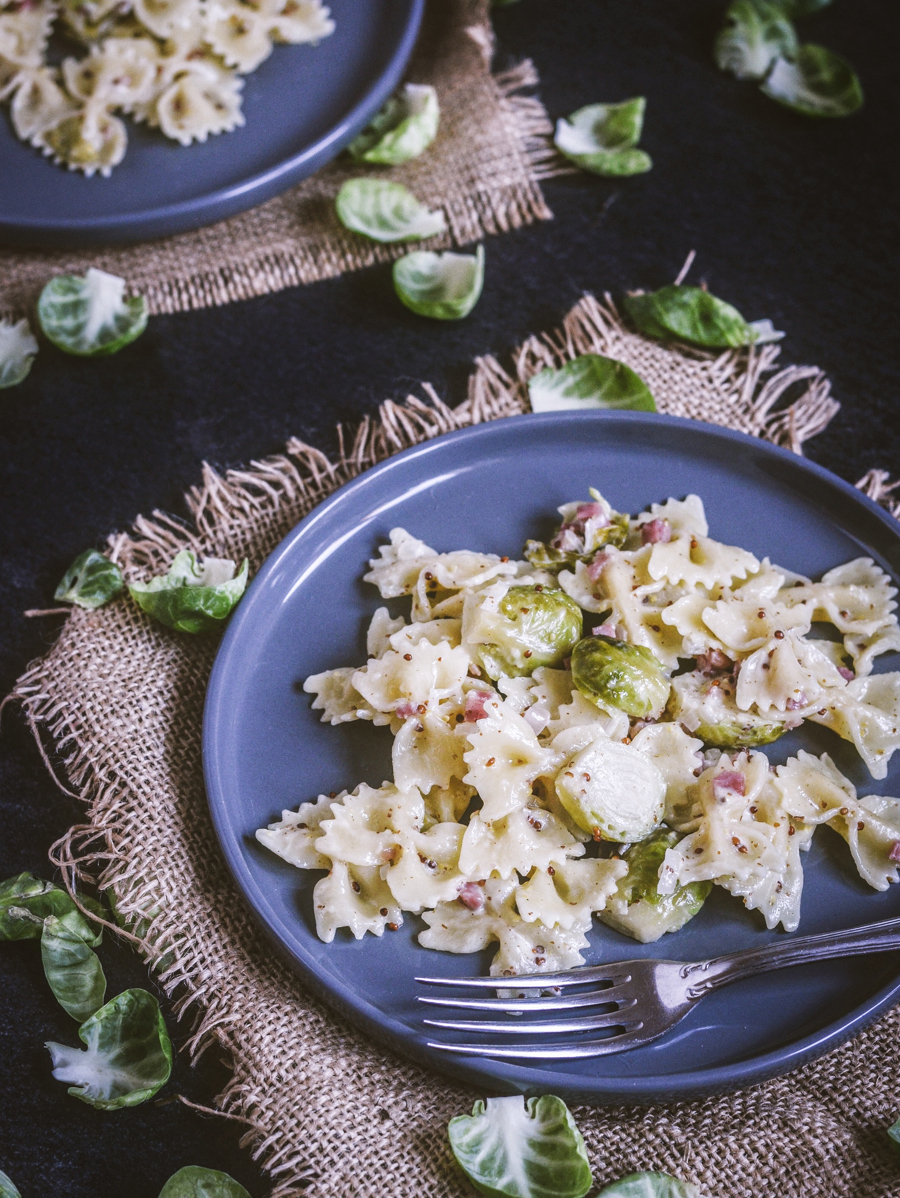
point(196, 1182)
point(756, 33)
point(691, 314)
point(894, 1132)
point(7, 1189)
point(17, 350)
point(90, 581)
point(442, 286)
point(815, 82)
point(386, 212)
point(73, 970)
point(512, 1149)
point(601, 138)
point(89, 316)
point(649, 1185)
point(128, 1055)
point(405, 128)
point(192, 596)
point(589, 381)
point(25, 902)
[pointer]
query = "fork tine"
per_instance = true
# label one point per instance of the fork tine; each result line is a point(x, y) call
point(563, 1002)
point(543, 1027)
point(615, 973)
point(548, 1052)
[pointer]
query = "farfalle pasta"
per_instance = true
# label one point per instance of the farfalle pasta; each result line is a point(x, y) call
point(176, 65)
point(579, 733)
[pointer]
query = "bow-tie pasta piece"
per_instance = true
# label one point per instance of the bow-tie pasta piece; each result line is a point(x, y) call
point(120, 73)
point(567, 895)
point(357, 898)
point(525, 840)
point(504, 760)
point(91, 140)
point(202, 101)
point(294, 837)
point(867, 713)
point(39, 104)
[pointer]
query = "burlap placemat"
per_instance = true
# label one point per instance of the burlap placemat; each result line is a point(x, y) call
point(328, 1114)
point(492, 147)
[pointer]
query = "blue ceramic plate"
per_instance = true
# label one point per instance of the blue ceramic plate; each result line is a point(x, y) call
point(302, 106)
point(488, 488)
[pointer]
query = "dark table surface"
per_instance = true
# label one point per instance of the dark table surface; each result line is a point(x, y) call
point(791, 218)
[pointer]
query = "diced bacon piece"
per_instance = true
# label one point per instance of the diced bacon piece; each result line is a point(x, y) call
point(796, 704)
point(656, 532)
point(566, 540)
point(846, 674)
point(598, 565)
point(729, 782)
point(606, 629)
point(894, 852)
point(405, 709)
point(715, 659)
point(471, 895)
point(591, 511)
point(474, 709)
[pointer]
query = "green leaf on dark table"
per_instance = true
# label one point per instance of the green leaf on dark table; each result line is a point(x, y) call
point(894, 1132)
point(25, 902)
point(601, 138)
point(193, 1181)
point(683, 313)
point(815, 82)
point(17, 350)
point(386, 212)
point(442, 286)
point(512, 1149)
point(590, 381)
point(755, 34)
point(89, 315)
point(127, 1058)
point(404, 129)
point(649, 1185)
point(7, 1189)
point(90, 581)
point(73, 970)
point(193, 596)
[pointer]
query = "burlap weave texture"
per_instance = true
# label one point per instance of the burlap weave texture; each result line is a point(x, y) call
point(328, 1114)
point(482, 171)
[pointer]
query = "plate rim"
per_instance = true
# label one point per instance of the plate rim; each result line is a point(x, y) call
point(484, 1072)
point(198, 212)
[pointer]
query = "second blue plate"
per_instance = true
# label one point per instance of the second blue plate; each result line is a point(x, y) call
point(302, 106)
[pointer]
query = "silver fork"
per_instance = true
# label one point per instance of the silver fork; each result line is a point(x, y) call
point(647, 997)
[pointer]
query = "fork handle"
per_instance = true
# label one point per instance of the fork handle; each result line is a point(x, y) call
point(705, 976)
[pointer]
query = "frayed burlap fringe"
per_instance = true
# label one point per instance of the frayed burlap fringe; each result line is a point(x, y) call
point(326, 1114)
point(483, 172)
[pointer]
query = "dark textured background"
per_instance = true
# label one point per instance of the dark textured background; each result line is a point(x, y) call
point(791, 218)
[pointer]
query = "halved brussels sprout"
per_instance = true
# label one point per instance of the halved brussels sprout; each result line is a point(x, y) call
point(612, 791)
point(613, 673)
point(533, 626)
point(637, 909)
point(89, 316)
point(706, 708)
